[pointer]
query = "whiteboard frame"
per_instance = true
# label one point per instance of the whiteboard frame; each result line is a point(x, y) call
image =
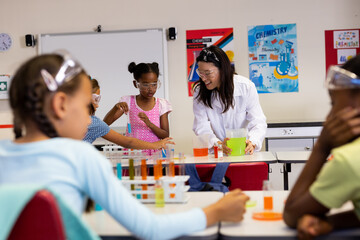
point(164, 71)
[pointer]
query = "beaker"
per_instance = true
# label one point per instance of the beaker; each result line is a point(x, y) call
point(237, 141)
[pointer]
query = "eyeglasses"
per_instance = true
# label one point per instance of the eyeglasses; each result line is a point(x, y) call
point(68, 70)
point(96, 98)
point(340, 78)
point(145, 86)
point(206, 74)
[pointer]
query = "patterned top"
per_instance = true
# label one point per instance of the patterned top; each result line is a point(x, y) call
point(138, 127)
point(96, 129)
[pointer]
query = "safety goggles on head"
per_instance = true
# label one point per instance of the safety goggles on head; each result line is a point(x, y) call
point(96, 98)
point(206, 56)
point(144, 86)
point(68, 70)
point(340, 78)
point(206, 74)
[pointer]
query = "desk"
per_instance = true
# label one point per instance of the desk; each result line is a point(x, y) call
point(254, 229)
point(287, 158)
point(106, 227)
point(267, 157)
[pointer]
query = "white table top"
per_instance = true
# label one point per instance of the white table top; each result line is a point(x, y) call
point(270, 229)
point(267, 157)
point(293, 156)
point(104, 225)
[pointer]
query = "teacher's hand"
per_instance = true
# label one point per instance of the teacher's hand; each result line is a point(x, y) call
point(250, 147)
point(226, 149)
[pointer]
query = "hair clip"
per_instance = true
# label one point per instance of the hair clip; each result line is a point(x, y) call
point(67, 71)
point(49, 80)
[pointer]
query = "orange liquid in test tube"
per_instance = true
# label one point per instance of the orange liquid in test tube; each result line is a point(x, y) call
point(268, 203)
point(172, 174)
point(158, 169)
point(144, 176)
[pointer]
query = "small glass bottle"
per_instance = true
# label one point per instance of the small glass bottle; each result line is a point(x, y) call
point(268, 195)
point(220, 151)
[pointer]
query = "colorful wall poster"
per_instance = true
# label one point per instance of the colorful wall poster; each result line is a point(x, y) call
point(196, 40)
point(340, 46)
point(273, 62)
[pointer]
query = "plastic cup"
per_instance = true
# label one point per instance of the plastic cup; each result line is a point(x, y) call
point(201, 145)
point(237, 141)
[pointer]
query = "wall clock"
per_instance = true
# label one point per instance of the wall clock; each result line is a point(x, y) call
point(5, 42)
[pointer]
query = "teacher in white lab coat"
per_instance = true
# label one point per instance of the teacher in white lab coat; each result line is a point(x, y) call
point(224, 100)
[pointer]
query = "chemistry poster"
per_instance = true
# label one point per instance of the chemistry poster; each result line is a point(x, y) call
point(196, 40)
point(273, 62)
point(340, 46)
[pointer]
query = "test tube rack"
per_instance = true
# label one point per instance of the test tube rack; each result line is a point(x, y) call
point(174, 188)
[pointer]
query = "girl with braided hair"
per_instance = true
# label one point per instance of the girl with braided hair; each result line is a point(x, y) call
point(50, 97)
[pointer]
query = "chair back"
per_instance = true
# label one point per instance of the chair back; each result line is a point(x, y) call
point(40, 219)
point(246, 176)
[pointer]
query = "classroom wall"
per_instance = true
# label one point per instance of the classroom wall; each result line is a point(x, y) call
point(312, 17)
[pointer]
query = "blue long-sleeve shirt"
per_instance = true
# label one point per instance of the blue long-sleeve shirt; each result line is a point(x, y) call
point(74, 169)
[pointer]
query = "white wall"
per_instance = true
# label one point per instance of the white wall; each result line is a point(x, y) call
point(312, 17)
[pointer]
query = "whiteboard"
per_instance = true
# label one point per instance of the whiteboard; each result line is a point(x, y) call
point(106, 56)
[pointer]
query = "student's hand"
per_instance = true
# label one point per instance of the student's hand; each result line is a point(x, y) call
point(340, 128)
point(162, 143)
point(143, 117)
point(226, 149)
point(250, 147)
point(230, 208)
point(123, 107)
point(310, 226)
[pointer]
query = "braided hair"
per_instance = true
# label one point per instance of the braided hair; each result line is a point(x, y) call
point(28, 93)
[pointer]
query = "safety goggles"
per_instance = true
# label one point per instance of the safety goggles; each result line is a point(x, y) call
point(206, 74)
point(145, 86)
point(205, 54)
point(339, 78)
point(68, 70)
point(96, 98)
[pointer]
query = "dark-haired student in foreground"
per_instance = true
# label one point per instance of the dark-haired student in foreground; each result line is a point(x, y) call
point(325, 184)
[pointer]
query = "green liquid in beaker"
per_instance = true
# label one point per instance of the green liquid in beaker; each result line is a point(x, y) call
point(237, 145)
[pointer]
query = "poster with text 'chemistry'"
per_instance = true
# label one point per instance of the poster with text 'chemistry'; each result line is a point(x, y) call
point(273, 62)
point(196, 40)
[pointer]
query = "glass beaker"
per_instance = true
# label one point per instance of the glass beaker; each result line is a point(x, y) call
point(237, 141)
point(201, 145)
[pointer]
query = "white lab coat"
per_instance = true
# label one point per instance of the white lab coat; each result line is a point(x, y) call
point(247, 113)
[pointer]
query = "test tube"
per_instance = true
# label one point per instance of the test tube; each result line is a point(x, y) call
point(159, 194)
point(181, 164)
point(268, 198)
point(119, 169)
point(128, 123)
point(144, 176)
point(158, 169)
point(131, 171)
point(137, 163)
